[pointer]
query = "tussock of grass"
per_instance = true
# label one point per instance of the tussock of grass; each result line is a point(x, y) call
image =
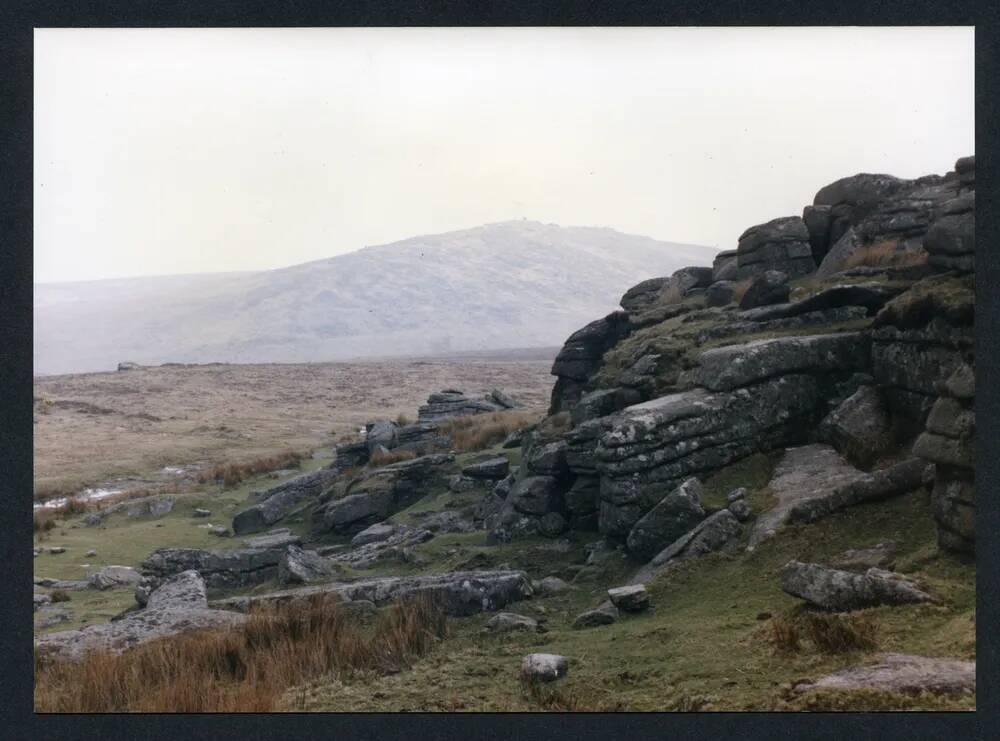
point(785, 634)
point(229, 475)
point(403, 420)
point(243, 670)
point(740, 289)
point(889, 253)
point(833, 633)
point(481, 431)
point(60, 595)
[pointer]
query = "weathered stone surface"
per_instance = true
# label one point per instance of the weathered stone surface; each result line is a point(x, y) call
point(508, 622)
point(235, 567)
point(543, 667)
point(200, 512)
point(488, 467)
point(741, 510)
point(375, 533)
point(178, 605)
point(780, 244)
point(603, 402)
point(547, 459)
point(381, 433)
point(445, 521)
point(674, 515)
point(769, 287)
point(871, 296)
point(720, 293)
point(725, 368)
point(581, 357)
point(902, 673)
point(453, 403)
point(551, 585)
point(879, 556)
point(298, 566)
point(535, 495)
point(459, 593)
point(274, 503)
point(277, 538)
point(718, 531)
point(584, 495)
point(860, 428)
point(630, 598)
point(604, 615)
point(397, 547)
point(837, 590)
point(817, 220)
point(725, 266)
point(113, 576)
point(946, 450)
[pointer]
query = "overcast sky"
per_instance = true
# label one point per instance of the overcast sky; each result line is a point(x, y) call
point(178, 151)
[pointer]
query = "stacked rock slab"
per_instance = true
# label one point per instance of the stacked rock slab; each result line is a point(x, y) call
point(949, 443)
point(781, 244)
point(454, 403)
point(580, 357)
point(274, 503)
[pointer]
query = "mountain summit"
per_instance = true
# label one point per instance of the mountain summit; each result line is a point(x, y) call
point(503, 285)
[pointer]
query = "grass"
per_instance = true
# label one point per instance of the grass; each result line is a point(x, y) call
point(385, 457)
point(242, 670)
point(889, 253)
point(828, 633)
point(229, 475)
point(481, 431)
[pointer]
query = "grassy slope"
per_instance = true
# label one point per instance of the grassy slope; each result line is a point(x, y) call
point(701, 645)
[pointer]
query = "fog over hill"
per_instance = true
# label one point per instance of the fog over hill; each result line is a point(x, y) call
point(512, 284)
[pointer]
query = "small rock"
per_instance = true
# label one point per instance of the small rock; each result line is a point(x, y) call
point(505, 622)
point(56, 549)
point(113, 576)
point(91, 553)
point(551, 585)
point(604, 615)
point(741, 510)
point(735, 494)
point(543, 667)
point(833, 589)
point(901, 673)
point(42, 599)
point(220, 531)
point(630, 598)
point(199, 512)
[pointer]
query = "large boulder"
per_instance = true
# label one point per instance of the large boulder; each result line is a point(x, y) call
point(381, 433)
point(832, 589)
point(951, 239)
point(860, 428)
point(178, 605)
point(535, 495)
point(780, 244)
point(770, 287)
point(458, 593)
point(492, 467)
point(725, 266)
point(675, 514)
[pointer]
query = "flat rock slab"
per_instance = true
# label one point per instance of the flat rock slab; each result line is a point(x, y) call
point(902, 673)
point(460, 593)
point(834, 589)
point(273, 540)
point(805, 473)
point(179, 605)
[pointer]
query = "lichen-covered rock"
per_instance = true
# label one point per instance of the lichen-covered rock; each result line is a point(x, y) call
point(900, 673)
point(580, 358)
point(674, 515)
point(769, 287)
point(488, 467)
point(454, 403)
point(725, 266)
point(178, 605)
point(508, 622)
point(630, 598)
point(860, 428)
point(780, 244)
point(298, 566)
point(274, 503)
point(604, 615)
point(837, 590)
point(114, 576)
point(543, 667)
point(535, 495)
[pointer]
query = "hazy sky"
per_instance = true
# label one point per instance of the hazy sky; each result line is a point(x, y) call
point(176, 151)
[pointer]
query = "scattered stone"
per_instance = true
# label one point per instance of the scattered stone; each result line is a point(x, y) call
point(901, 673)
point(42, 581)
point(543, 667)
point(298, 566)
point(199, 512)
point(42, 599)
point(603, 615)
point(630, 598)
point(114, 576)
point(551, 585)
point(506, 622)
point(837, 590)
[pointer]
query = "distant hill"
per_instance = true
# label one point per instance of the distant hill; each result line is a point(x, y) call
point(517, 284)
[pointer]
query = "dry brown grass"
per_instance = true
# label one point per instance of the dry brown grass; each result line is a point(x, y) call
point(481, 431)
point(888, 253)
point(402, 420)
point(833, 633)
point(385, 457)
point(740, 288)
point(60, 595)
point(785, 634)
point(243, 670)
point(42, 522)
point(229, 475)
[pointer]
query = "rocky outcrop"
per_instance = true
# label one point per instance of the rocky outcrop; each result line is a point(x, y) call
point(179, 605)
point(458, 593)
point(220, 569)
point(860, 428)
point(780, 244)
point(770, 287)
point(383, 543)
point(839, 591)
point(273, 504)
point(381, 492)
point(454, 403)
point(948, 442)
point(580, 358)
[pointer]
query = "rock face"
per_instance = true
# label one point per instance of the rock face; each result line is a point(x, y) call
point(221, 569)
point(179, 605)
point(675, 514)
point(453, 403)
point(543, 667)
point(380, 493)
point(860, 427)
point(901, 673)
point(780, 244)
point(949, 443)
point(770, 287)
point(274, 503)
point(459, 593)
point(837, 590)
point(580, 357)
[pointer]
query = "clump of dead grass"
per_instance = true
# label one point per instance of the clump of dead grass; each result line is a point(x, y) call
point(481, 431)
point(888, 253)
point(247, 669)
point(829, 633)
point(385, 457)
point(60, 595)
point(740, 289)
point(229, 475)
point(403, 420)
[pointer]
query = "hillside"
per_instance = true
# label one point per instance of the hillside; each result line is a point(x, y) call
point(512, 284)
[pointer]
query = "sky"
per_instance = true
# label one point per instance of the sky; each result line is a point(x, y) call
point(166, 151)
